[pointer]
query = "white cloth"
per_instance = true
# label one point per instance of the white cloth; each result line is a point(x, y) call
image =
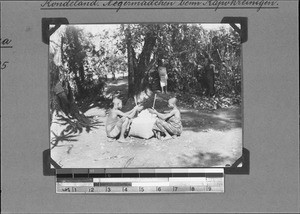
point(142, 126)
point(162, 84)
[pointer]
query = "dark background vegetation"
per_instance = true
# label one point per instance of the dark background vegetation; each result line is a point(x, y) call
point(133, 50)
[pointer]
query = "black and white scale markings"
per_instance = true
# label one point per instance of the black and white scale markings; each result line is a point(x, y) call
point(91, 181)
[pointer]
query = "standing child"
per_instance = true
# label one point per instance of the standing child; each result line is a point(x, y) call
point(209, 76)
point(61, 96)
point(170, 123)
point(163, 76)
point(117, 121)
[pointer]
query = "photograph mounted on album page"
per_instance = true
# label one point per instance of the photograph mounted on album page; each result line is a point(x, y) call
point(151, 84)
point(145, 95)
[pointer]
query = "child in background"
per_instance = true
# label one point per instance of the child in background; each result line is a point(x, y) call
point(117, 121)
point(163, 76)
point(61, 97)
point(170, 123)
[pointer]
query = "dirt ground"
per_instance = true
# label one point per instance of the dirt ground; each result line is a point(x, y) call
point(209, 139)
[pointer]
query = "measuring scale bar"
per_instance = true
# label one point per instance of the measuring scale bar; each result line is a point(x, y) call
point(209, 180)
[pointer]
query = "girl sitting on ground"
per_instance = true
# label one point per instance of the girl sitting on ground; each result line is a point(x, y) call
point(169, 124)
point(118, 122)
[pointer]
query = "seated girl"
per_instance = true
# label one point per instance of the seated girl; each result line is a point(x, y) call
point(169, 124)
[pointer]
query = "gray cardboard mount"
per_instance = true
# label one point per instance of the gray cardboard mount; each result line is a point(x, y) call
point(271, 98)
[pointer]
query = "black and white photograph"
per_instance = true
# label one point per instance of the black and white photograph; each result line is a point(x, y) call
point(149, 106)
point(145, 95)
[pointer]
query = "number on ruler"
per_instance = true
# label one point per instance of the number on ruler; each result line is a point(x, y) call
point(73, 189)
point(175, 189)
point(91, 189)
point(108, 189)
point(66, 189)
point(158, 189)
point(141, 189)
point(125, 189)
point(192, 188)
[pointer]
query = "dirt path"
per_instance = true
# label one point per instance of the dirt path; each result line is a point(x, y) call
point(208, 139)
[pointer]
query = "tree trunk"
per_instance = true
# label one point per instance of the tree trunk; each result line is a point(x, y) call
point(62, 50)
point(138, 70)
point(79, 87)
point(113, 75)
point(131, 63)
point(141, 74)
point(81, 72)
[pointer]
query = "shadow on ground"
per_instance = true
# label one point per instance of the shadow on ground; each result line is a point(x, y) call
point(220, 120)
point(202, 159)
point(192, 119)
point(61, 138)
point(72, 128)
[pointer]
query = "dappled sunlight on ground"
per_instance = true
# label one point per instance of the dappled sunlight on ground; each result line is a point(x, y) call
point(197, 147)
point(197, 121)
point(210, 138)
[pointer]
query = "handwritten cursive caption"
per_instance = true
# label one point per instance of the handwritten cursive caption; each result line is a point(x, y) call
point(3, 64)
point(117, 5)
point(4, 44)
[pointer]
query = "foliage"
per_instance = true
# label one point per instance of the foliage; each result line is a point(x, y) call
point(54, 71)
point(84, 67)
point(185, 49)
point(184, 46)
point(135, 49)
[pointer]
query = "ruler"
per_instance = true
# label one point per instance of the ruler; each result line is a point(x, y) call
point(91, 181)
